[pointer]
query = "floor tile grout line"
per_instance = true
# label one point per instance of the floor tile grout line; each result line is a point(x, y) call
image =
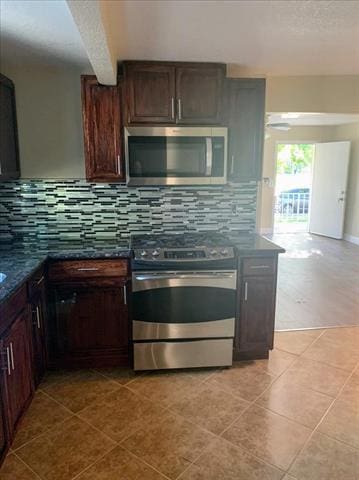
point(144, 462)
point(26, 465)
point(94, 463)
point(320, 422)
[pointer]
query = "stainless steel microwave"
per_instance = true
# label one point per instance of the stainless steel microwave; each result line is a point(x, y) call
point(176, 155)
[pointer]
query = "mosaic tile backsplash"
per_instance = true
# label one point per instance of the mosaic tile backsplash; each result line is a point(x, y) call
point(75, 209)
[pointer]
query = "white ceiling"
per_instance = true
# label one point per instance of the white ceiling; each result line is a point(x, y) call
point(39, 31)
point(312, 119)
point(271, 37)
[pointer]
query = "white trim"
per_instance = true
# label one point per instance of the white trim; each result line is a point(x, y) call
point(351, 238)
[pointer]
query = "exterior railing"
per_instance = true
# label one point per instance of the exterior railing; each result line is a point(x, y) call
point(292, 206)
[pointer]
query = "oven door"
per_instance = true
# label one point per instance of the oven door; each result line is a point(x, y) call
point(185, 305)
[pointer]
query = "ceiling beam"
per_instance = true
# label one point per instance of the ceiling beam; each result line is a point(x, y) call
point(88, 17)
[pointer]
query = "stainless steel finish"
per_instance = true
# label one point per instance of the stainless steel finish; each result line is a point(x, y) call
point(38, 317)
point(40, 280)
point(12, 356)
point(8, 360)
point(215, 279)
point(125, 294)
point(87, 269)
point(179, 109)
point(208, 156)
point(256, 267)
point(173, 108)
point(176, 132)
point(118, 158)
point(162, 331)
point(197, 353)
point(245, 291)
point(147, 254)
point(232, 165)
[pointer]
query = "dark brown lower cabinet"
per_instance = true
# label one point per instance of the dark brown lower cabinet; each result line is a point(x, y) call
point(89, 323)
point(255, 315)
point(38, 309)
point(17, 374)
point(3, 438)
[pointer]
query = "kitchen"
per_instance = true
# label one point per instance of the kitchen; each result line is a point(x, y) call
point(134, 293)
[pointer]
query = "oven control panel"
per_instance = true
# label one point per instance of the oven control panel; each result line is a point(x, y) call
point(184, 254)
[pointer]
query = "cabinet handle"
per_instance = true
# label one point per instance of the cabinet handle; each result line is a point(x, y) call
point(88, 269)
point(125, 294)
point(179, 109)
point(118, 158)
point(40, 280)
point(38, 316)
point(245, 291)
point(231, 170)
point(255, 267)
point(172, 108)
point(12, 356)
point(7, 353)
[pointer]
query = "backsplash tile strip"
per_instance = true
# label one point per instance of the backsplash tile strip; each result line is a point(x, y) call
point(75, 209)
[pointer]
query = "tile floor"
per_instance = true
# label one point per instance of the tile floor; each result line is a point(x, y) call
point(292, 417)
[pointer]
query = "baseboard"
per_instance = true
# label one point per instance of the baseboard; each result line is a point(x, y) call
point(351, 238)
point(266, 231)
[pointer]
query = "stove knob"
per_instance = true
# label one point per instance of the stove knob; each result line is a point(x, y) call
point(155, 253)
point(213, 252)
point(224, 252)
point(144, 253)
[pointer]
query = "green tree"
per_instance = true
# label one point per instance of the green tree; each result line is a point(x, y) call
point(294, 158)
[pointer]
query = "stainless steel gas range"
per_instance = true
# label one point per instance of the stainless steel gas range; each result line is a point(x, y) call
point(184, 289)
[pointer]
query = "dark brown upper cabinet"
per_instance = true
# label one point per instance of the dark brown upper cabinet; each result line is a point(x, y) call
point(103, 132)
point(9, 148)
point(173, 93)
point(150, 92)
point(245, 99)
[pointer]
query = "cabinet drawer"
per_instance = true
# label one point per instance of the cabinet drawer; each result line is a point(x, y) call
point(259, 266)
point(82, 269)
point(36, 282)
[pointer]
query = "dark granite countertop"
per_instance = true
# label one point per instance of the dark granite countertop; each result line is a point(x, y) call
point(254, 245)
point(19, 261)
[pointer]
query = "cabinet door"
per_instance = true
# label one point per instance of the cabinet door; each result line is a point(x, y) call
point(3, 437)
point(199, 94)
point(38, 309)
point(9, 149)
point(90, 327)
point(103, 133)
point(18, 369)
point(150, 93)
point(256, 313)
point(245, 104)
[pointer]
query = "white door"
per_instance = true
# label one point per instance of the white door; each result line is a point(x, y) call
point(330, 174)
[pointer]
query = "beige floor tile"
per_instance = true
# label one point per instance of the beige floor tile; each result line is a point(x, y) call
point(317, 376)
point(211, 408)
point(55, 376)
point(278, 361)
point(43, 413)
point(64, 452)
point(326, 459)
point(350, 392)
point(295, 402)
point(14, 469)
point(165, 388)
point(120, 375)
point(169, 445)
point(121, 413)
point(81, 389)
point(334, 353)
point(269, 436)
point(344, 335)
point(224, 461)
point(289, 477)
point(296, 341)
point(120, 464)
point(342, 422)
point(245, 379)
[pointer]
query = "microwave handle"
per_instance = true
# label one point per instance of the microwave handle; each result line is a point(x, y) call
point(208, 156)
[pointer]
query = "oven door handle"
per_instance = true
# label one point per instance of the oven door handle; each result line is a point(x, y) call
point(208, 157)
point(227, 280)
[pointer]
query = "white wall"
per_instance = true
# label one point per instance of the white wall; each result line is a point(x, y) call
point(48, 102)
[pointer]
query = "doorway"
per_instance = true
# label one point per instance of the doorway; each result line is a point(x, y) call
point(293, 186)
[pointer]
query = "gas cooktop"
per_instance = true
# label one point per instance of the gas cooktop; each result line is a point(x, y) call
point(184, 240)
